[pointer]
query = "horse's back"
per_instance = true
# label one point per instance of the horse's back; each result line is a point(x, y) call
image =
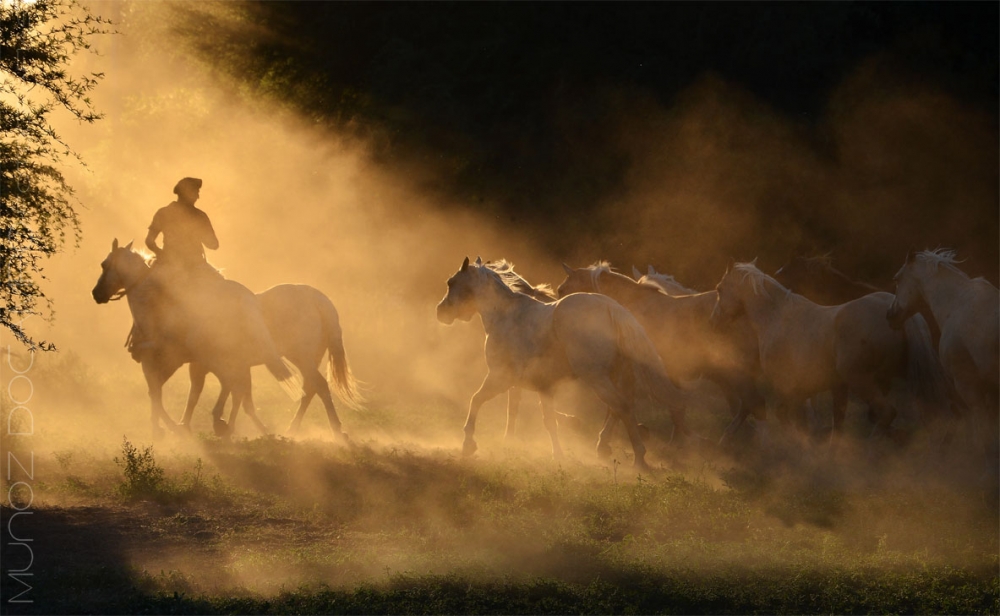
point(295, 316)
point(585, 325)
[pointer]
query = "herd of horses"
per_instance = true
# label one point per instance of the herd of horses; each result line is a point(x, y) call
point(636, 342)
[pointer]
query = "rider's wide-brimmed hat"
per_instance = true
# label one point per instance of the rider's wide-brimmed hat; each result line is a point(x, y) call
point(192, 182)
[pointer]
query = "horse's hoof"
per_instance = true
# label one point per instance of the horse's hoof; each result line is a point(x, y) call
point(641, 466)
point(221, 428)
point(603, 451)
point(469, 447)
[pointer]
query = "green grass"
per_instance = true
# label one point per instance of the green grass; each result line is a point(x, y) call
point(396, 524)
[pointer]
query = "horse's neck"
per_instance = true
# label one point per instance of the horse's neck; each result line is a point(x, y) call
point(498, 307)
point(625, 290)
point(946, 292)
point(768, 308)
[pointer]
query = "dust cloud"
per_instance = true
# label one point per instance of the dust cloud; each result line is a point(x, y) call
point(890, 166)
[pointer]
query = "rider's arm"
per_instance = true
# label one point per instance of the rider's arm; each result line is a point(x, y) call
point(151, 242)
point(208, 236)
point(154, 231)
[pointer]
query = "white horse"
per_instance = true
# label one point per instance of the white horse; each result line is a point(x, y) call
point(967, 311)
point(806, 349)
point(215, 323)
point(534, 345)
point(305, 327)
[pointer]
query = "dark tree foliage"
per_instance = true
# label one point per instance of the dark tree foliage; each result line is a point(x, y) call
point(37, 42)
point(512, 102)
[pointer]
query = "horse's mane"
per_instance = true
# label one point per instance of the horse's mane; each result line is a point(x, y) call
point(604, 267)
point(505, 271)
point(647, 281)
point(759, 281)
point(941, 256)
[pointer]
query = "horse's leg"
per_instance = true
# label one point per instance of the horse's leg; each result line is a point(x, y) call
point(549, 417)
point(492, 387)
point(607, 431)
point(218, 425)
point(840, 395)
point(608, 393)
point(154, 381)
point(323, 389)
point(309, 389)
point(513, 406)
point(880, 411)
point(197, 374)
point(251, 411)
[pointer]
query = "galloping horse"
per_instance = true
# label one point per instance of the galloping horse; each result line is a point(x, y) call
point(968, 313)
point(534, 345)
point(305, 326)
point(542, 293)
point(678, 326)
point(217, 324)
point(806, 349)
point(818, 280)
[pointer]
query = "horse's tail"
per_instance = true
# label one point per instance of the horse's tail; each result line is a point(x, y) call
point(649, 376)
point(925, 378)
point(338, 372)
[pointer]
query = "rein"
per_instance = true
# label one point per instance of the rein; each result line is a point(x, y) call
point(120, 294)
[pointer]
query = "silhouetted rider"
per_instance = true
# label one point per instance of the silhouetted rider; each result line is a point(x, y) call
point(180, 263)
point(186, 229)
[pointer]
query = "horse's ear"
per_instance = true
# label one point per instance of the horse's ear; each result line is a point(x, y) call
point(114, 244)
point(567, 269)
point(465, 264)
point(636, 273)
point(129, 245)
point(911, 256)
point(479, 261)
point(650, 270)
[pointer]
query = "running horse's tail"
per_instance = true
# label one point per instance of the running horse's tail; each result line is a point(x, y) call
point(338, 371)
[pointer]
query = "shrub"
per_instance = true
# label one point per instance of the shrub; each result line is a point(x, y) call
point(143, 477)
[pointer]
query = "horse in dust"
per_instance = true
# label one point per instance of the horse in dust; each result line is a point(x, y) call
point(689, 347)
point(818, 280)
point(806, 349)
point(187, 321)
point(215, 323)
point(967, 310)
point(542, 293)
point(305, 326)
point(534, 345)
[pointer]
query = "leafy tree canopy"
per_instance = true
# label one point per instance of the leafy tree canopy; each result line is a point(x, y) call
point(38, 41)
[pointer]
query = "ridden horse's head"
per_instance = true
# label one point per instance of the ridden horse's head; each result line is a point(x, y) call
point(119, 270)
point(909, 298)
point(729, 301)
point(460, 300)
point(583, 280)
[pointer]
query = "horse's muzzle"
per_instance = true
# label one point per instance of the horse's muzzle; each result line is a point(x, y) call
point(99, 297)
